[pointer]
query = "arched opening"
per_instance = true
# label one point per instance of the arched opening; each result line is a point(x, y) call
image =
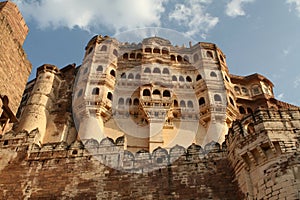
point(139, 56)
point(96, 91)
point(148, 50)
point(182, 104)
point(121, 101)
point(79, 93)
point(132, 55)
point(166, 93)
point(165, 51)
point(113, 73)
point(249, 110)
point(181, 79)
point(199, 77)
point(245, 91)
point(213, 74)
point(190, 104)
point(179, 58)
point(173, 58)
point(109, 96)
point(156, 92)
point(125, 56)
point(100, 68)
point(250, 128)
point(123, 75)
point(115, 52)
point(147, 70)
point(242, 110)
point(217, 98)
point(196, 57)
point(156, 70)
point(188, 79)
point(103, 48)
point(130, 76)
point(174, 78)
point(166, 71)
point(146, 92)
point(137, 76)
point(209, 54)
point(128, 101)
point(231, 101)
point(237, 89)
point(85, 70)
point(201, 101)
point(136, 102)
point(156, 50)
point(175, 103)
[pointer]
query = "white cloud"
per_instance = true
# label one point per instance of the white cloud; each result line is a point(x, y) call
point(297, 82)
point(235, 7)
point(295, 3)
point(193, 16)
point(116, 15)
point(280, 96)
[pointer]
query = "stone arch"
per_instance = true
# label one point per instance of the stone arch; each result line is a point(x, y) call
point(217, 98)
point(174, 78)
point(199, 77)
point(188, 79)
point(146, 92)
point(147, 70)
point(125, 56)
point(115, 52)
point(132, 55)
point(103, 48)
point(201, 101)
point(100, 68)
point(213, 74)
point(109, 96)
point(96, 91)
point(166, 71)
point(156, 70)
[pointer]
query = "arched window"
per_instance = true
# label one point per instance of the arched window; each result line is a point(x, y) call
point(156, 92)
point(256, 89)
point(209, 54)
point(115, 52)
point(174, 78)
point(201, 101)
point(130, 76)
point(173, 58)
point(245, 90)
point(156, 50)
point(137, 76)
point(188, 79)
point(182, 103)
point(237, 89)
point(190, 104)
point(166, 93)
point(125, 56)
point(166, 71)
point(113, 73)
point(146, 92)
point(121, 101)
point(249, 110)
point(186, 58)
point(179, 58)
point(123, 76)
point(95, 91)
point(132, 55)
point(148, 50)
point(242, 110)
point(85, 70)
point(109, 96)
point(227, 79)
point(217, 97)
point(221, 58)
point(199, 77)
point(156, 70)
point(196, 57)
point(213, 74)
point(175, 103)
point(136, 102)
point(128, 101)
point(231, 101)
point(181, 79)
point(147, 70)
point(103, 48)
point(80, 93)
point(100, 68)
point(139, 56)
point(165, 51)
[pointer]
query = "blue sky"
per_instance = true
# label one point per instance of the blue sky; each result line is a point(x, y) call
point(257, 36)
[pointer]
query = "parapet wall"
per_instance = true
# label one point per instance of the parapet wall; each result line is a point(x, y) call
point(58, 171)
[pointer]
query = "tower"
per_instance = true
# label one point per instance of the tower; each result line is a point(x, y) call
point(15, 68)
